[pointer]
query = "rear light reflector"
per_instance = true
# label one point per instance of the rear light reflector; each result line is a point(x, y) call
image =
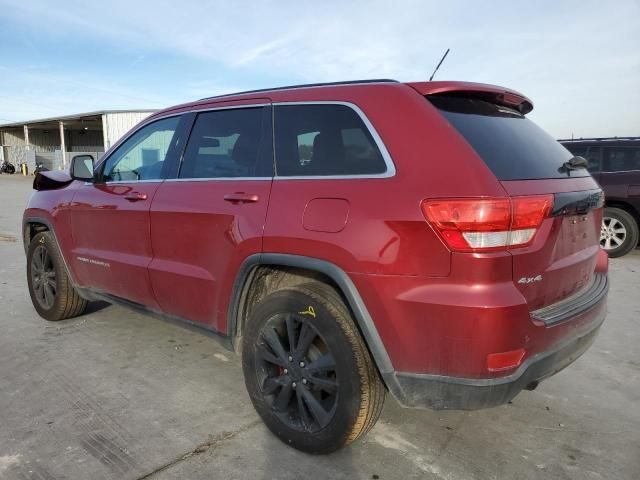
point(481, 224)
point(497, 362)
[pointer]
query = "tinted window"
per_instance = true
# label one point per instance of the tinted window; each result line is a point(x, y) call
point(142, 156)
point(620, 159)
point(592, 154)
point(229, 143)
point(578, 150)
point(324, 140)
point(511, 145)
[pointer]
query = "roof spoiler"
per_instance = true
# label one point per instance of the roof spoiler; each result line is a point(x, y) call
point(491, 93)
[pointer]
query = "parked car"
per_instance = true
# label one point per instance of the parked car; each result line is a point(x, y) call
point(615, 164)
point(349, 239)
point(7, 167)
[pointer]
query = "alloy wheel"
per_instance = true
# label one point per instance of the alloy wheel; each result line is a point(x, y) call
point(43, 277)
point(612, 233)
point(297, 372)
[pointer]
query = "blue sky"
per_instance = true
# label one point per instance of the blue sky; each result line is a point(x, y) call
point(578, 60)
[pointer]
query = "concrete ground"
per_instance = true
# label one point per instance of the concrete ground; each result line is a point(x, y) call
point(118, 395)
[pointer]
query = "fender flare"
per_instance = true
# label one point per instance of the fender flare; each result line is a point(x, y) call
point(44, 221)
point(343, 281)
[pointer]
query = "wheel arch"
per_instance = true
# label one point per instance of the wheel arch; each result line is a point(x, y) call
point(34, 225)
point(626, 206)
point(247, 286)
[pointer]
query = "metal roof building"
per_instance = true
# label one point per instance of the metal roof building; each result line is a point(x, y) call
point(50, 141)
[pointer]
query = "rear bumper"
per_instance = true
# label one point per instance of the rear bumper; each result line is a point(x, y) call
point(443, 392)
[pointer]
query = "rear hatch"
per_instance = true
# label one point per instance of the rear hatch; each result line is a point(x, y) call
point(560, 258)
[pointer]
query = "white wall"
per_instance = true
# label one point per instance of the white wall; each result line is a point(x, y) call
point(115, 125)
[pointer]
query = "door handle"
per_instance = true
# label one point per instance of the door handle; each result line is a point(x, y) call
point(135, 196)
point(241, 197)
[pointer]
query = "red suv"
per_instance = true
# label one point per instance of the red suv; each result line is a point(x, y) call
point(350, 238)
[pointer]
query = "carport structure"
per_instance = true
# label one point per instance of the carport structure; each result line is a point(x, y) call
point(51, 141)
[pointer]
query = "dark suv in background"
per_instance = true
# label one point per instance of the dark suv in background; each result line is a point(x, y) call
point(615, 164)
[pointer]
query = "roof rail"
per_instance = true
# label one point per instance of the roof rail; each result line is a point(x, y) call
point(308, 85)
point(597, 139)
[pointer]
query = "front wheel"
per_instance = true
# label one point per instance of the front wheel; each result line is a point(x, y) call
point(619, 232)
point(307, 370)
point(51, 291)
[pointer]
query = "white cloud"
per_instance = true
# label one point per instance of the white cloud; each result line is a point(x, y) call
point(579, 61)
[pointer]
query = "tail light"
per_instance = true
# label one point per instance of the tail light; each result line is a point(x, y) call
point(487, 224)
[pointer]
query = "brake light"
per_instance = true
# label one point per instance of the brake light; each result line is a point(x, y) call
point(487, 224)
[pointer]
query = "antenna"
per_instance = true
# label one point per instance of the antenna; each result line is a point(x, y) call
point(439, 63)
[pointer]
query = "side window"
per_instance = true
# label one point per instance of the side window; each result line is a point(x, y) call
point(229, 143)
point(591, 154)
point(621, 159)
point(142, 156)
point(593, 157)
point(305, 147)
point(577, 150)
point(325, 140)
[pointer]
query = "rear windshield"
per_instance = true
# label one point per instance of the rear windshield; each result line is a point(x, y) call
point(511, 145)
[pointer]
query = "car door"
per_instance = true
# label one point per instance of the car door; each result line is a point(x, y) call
point(110, 218)
point(209, 218)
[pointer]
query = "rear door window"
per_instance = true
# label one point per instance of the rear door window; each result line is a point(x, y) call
point(324, 140)
point(229, 143)
point(511, 145)
point(621, 159)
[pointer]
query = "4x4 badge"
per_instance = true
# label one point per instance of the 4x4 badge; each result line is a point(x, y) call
point(309, 311)
point(537, 278)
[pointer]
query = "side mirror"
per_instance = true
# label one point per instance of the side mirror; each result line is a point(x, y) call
point(82, 168)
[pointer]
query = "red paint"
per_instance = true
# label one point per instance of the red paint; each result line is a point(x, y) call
point(199, 241)
point(177, 246)
point(109, 227)
point(328, 215)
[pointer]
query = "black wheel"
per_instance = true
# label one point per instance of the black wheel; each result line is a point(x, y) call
point(307, 370)
point(52, 294)
point(619, 232)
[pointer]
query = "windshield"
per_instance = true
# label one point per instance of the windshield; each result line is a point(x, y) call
point(511, 145)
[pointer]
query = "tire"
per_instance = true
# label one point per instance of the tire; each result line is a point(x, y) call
point(51, 291)
point(286, 385)
point(619, 232)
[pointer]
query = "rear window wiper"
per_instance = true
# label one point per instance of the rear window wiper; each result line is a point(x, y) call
point(575, 163)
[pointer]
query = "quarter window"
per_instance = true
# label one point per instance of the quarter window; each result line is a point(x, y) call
point(142, 156)
point(229, 143)
point(324, 140)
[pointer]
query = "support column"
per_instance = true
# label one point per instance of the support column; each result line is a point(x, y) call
point(26, 137)
point(106, 136)
point(63, 147)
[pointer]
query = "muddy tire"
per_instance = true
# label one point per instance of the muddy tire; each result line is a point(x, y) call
point(307, 370)
point(51, 291)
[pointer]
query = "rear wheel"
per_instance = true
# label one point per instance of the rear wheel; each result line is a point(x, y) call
point(619, 232)
point(307, 370)
point(52, 294)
